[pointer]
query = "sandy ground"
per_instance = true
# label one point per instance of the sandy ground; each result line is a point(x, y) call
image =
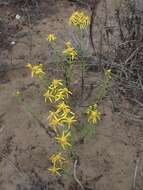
point(107, 162)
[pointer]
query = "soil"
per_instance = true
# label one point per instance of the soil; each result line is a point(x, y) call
point(107, 162)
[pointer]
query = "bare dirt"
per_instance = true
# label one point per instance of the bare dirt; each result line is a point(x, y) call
point(107, 162)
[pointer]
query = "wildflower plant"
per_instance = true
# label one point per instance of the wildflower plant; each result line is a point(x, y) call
point(80, 22)
point(72, 54)
point(105, 85)
point(55, 52)
point(60, 117)
point(69, 60)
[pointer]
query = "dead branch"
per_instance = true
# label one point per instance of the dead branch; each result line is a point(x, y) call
point(94, 6)
point(75, 176)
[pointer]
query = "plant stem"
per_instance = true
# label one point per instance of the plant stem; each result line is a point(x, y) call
point(82, 78)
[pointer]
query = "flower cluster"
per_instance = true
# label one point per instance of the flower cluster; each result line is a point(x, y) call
point(56, 92)
point(93, 115)
point(70, 52)
point(79, 19)
point(57, 160)
point(60, 120)
point(63, 116)
point(36, 70)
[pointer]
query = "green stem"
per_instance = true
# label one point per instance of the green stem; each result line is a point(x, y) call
point(82, 78)
point(102, 92)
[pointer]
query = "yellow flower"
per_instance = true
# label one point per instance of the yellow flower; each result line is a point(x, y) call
point(59, 96)
point(56, 84)
point(68, 44)
point(48, 95)
point(69, 121)
point(51, 38)
point(54, 170)
point(54, 120)
point(70, 52)
point(65, 92)
point(93, 115)
point(36, 70)
point(63, 139)
point(79, 19)
point(63, 108)
point(57, 158)
point(91, 108)
point(54, 92)
point(108, 74)
point(17, 93)
point(54, 123)
point(52, 115)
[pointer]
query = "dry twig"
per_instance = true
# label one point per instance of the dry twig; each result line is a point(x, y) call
point(75, 176)
point(135, 173)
